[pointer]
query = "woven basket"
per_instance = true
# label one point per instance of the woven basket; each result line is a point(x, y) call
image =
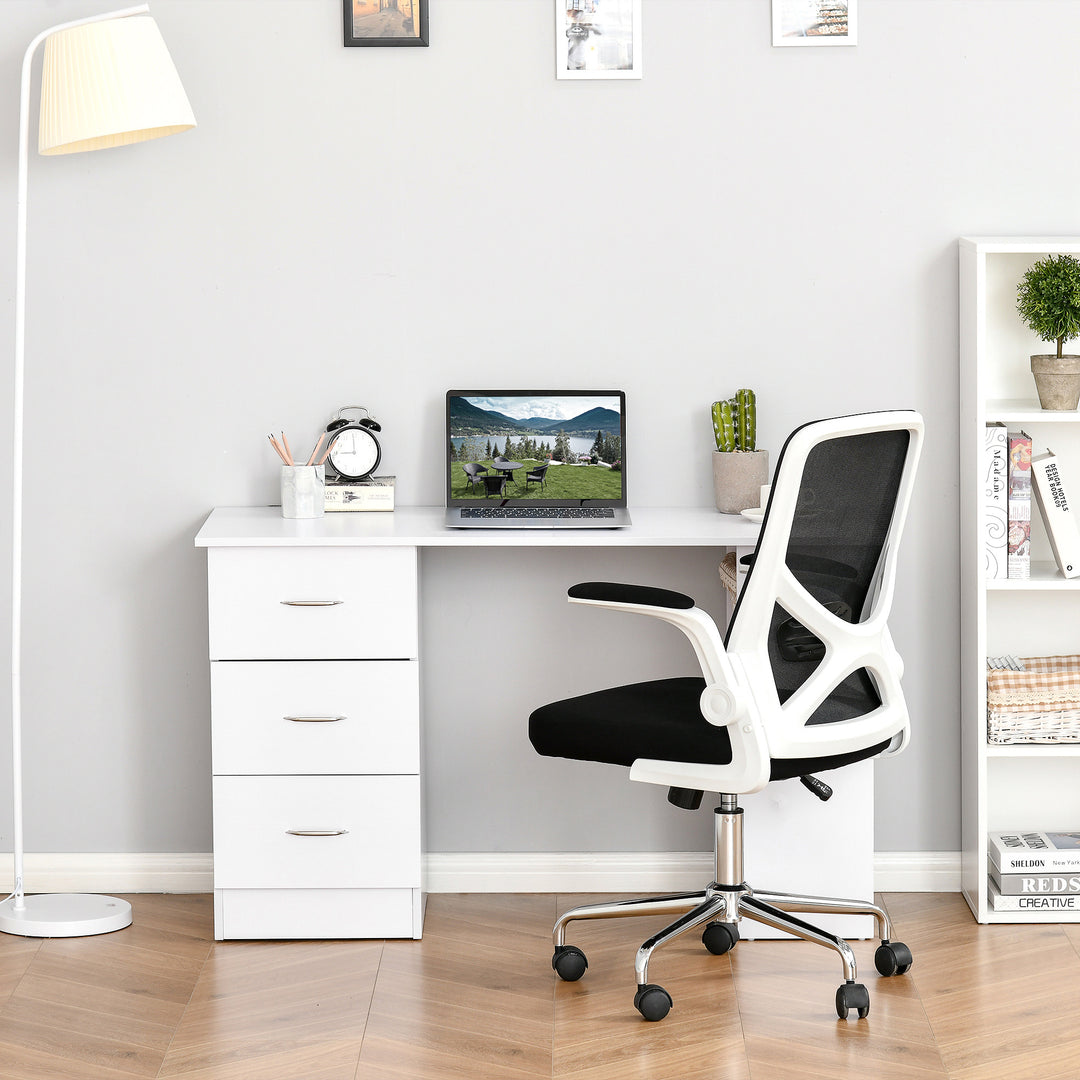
point(1040, 704)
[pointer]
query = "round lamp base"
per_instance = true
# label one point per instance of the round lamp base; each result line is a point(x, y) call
point(64, 915)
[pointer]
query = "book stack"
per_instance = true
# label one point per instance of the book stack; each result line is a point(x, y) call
point(375, 493)
point(1034, 871)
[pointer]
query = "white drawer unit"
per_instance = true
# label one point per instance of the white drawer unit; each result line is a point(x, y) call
point(315, 704)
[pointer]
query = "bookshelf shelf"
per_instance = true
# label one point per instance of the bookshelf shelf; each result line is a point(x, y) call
point(1009, 786)
point(1044, 575)
point(1033, 750)
point(1026, 411)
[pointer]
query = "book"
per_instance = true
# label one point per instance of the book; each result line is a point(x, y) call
point(1032, 851)
point(1035, 884)
point(1060, 519)
point(1019, 505)
point(995, 501)
point(1031, 903)
point(375, 493)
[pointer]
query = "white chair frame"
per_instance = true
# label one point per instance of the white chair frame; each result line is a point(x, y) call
point(740, 694)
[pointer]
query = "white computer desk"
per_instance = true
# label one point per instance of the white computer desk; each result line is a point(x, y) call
point(314, 629)
point(422, 526)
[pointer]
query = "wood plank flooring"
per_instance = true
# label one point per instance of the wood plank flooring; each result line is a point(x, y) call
point(477, 999)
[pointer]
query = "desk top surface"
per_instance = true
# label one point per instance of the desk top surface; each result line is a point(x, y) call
point(422, 526)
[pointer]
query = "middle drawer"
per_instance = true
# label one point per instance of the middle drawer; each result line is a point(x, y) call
point(317, 716)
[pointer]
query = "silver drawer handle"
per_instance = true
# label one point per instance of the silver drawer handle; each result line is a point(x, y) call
point(312, 603)
point(316, 832)
point(313, 719)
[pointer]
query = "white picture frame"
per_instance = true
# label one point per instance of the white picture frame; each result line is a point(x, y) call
point(814, 22)
point(598, 39)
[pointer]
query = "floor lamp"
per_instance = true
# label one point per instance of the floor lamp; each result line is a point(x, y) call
point(105, 81)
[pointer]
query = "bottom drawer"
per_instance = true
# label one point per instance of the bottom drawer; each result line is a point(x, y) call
point(317, 913)
point(316, 832)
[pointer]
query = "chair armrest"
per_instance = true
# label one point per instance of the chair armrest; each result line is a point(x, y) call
point(612, 592)
point(723, 701)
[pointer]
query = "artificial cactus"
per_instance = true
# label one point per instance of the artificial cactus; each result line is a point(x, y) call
point(723, 416)
point(746, 432)
point(735, 422)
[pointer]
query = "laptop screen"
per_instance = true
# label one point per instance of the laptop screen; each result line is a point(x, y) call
point(536, 447)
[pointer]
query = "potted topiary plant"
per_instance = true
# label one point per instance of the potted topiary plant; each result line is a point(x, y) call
point(739, 468)
point(1048, 300)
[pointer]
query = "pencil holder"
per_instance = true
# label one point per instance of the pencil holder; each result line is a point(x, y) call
point(302, 491)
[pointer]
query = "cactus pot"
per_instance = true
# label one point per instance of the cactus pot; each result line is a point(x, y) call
point(737, 479)
point(1057, 378)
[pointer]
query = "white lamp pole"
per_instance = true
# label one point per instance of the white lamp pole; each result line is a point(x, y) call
point(106, 81)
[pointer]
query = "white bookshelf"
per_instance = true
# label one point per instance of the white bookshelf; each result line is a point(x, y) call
point(1008, 786)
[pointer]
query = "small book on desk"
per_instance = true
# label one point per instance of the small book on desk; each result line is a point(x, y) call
point(375, 493)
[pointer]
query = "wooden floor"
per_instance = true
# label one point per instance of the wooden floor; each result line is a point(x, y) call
point(477, 999)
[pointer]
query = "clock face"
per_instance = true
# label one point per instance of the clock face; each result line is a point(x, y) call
point(354, 453)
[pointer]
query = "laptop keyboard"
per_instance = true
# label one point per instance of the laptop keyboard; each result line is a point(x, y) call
point(538, 512)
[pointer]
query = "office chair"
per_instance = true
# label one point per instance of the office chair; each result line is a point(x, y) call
point(807, 680)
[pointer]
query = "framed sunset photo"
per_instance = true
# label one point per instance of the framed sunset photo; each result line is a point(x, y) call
point(385, 22)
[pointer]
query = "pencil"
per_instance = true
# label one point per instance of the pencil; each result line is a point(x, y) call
point(288, 451)
point(325, 452)
point(280, 452)
point(318, 447)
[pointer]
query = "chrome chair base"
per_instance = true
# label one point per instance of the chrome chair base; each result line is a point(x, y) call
point(727, 904)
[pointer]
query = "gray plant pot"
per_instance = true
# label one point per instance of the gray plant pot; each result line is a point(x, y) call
point(737, 479)
point(1057, 378)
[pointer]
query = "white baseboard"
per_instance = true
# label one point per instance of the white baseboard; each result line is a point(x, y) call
point(917, 871)
point(650, 871)
point(112, 872)
point(467, 871)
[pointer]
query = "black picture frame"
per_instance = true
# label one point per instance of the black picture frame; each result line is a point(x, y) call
point(393, 23)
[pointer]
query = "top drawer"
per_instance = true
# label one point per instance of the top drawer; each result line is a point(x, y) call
point(312, 603)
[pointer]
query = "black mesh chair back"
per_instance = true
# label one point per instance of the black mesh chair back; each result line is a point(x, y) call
point(843, 514)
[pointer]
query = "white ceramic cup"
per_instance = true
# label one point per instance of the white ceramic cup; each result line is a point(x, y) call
point(302, 493)
point(765, 489)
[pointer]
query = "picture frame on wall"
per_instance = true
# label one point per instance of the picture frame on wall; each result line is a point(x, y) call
point(814, 22)
point(385, 22)
point(598, 39)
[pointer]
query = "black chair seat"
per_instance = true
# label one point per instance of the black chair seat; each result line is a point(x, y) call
point(660, 720)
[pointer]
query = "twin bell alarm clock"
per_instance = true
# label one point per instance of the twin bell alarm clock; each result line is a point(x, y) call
point(354, 452)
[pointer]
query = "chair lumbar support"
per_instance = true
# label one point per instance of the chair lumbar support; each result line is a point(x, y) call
point(718, 908)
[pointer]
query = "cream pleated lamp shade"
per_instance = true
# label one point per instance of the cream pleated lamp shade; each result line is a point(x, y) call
point(109, 83)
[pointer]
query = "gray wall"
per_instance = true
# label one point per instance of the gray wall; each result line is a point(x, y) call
point(375, 225)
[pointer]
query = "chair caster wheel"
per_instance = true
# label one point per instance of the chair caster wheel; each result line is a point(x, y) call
point(720, 937)
point(569, 963)
point(892, 958)
point(652, 1001)
point(852, 995)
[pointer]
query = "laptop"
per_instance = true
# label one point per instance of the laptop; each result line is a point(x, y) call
point(536, 459)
